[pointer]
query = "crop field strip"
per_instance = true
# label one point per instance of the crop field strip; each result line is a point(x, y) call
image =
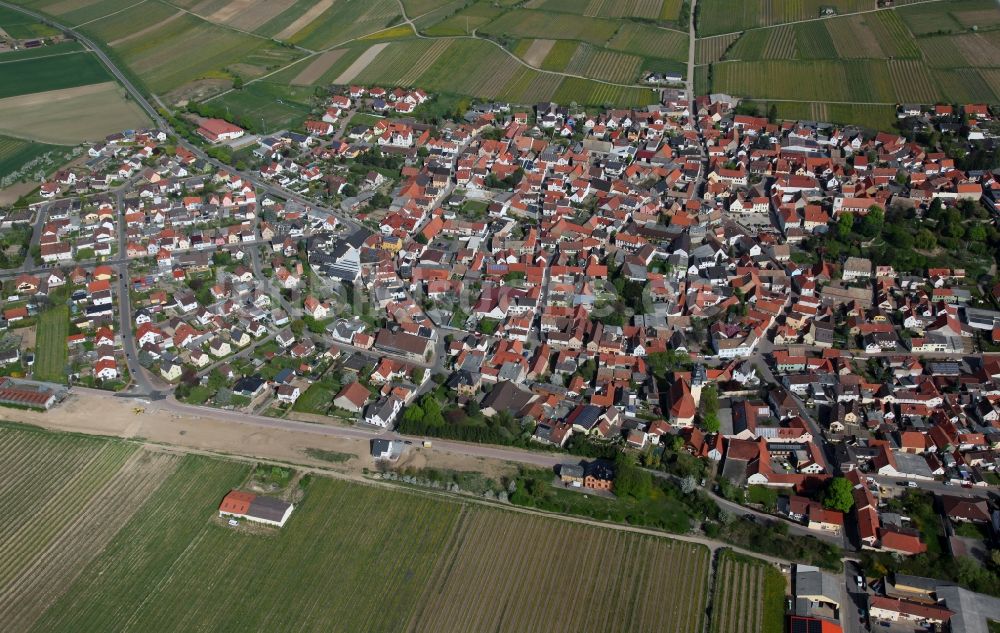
point(853, 39)
point(648, 41)
point(606, 65)
point(50, 344)
point(711, 49)
point(739, 597)
point(516, 549)
point(38, 74)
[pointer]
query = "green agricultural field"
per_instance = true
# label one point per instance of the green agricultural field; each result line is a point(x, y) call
point(15, 152)
point(465, 21)
point(949, 17)
point(186, 49)
point(112, 537)
point(345, 21)
point(813, 41)
point(648, 41)
point(40, 74)
point(22, 27)
point(85, 12)
point(415, 8)
point(50, 344)
point(749, 595)
point(590, 93)
point(521, 23)
point(865, 81)
point(130, 23)
point(259, 103)
point(726, 16)
point(590, 61)
point(874, 117)
point(559, 55)
point(645, 9)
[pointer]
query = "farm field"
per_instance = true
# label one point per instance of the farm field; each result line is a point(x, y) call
point(876, 117)
point(716, 17)
point(545, 24)
point(38, 74)
point(71, 115)
point(15, 152)
point(623, 571)
point(645, 9)
point(341, 21)
point(848, 68)
point(465, 21)
point(747, 596)
point(78, 503)
point(22, 27)
point(50, 343)
point(649, 41)
point(949, 17)
point(185, 49)
point(129, 534)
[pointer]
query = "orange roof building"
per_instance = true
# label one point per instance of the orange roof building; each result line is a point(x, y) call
point(236, 502)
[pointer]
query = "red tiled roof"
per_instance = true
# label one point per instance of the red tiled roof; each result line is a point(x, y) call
point(236, 502)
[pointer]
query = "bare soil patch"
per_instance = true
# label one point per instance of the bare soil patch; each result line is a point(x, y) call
point(303, 20)
point(537, 52)
point(360, 64)
point(10, 195)
point(70, 116)
point(311, 73)
point(201, 433)
point(196, 91)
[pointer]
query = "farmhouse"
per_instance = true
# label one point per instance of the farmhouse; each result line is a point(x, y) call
point(246, 505)
point(219, 130)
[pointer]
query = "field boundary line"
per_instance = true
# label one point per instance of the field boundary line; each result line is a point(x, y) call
point(108, 15)
point(28, 59)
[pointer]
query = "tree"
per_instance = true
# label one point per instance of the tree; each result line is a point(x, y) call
point(413, 414)
point(710, 422)
point(925, 240)
point(839, 495)
point(772, 114)
point(844, 225)
point(688, 484)
point(872, 222)
point(630, 480)
point(238, 83)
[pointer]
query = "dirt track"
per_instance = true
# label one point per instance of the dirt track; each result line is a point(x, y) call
point(100, 415)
